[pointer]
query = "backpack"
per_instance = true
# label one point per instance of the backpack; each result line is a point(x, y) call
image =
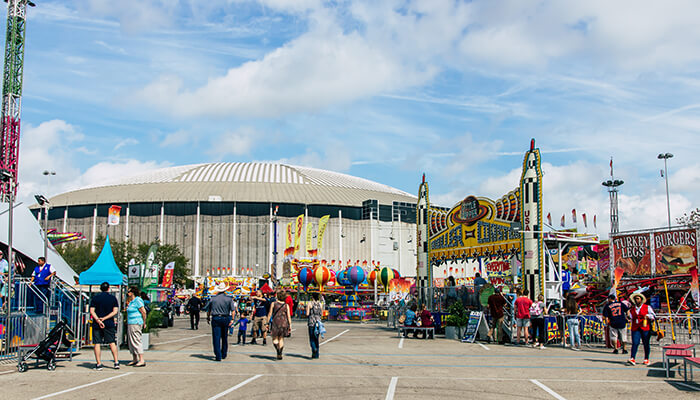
point(535, 309)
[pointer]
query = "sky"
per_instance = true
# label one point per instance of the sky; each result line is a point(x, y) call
point(384, 90)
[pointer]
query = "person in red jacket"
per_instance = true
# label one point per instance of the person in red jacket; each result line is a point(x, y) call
point(642, 318)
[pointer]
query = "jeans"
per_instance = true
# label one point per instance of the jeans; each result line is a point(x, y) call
point(241, 336)
point(574, 334)
point(38, 301)
point(313, 341)
point(644, 337)
point(219, 335)
point(538, 331)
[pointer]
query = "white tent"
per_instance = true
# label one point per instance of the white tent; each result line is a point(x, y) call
point(28, 239)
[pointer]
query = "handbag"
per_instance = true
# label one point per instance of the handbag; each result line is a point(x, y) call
point(402, 319)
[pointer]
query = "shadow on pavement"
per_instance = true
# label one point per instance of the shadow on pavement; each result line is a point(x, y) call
point(684, 386)
point(203, 356)
point(272, 358)
point(617, 362)
point(299, 356)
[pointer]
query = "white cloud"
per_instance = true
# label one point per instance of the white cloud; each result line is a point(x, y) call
point(126, 142)
point(134, 16)
point(108, 171)
point(237, 143)
point(178, 138)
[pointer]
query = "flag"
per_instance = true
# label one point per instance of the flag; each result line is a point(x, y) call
point(322, 223)
point(694, 286)
point(309, 237)
point(289, 240)
point(594, 221)
point(563, 221)
point(585, 223)
point(113, 216)
point(573, 215)
point(168, 273)
point(611, 168)
point(297, 234)
point(549, 218)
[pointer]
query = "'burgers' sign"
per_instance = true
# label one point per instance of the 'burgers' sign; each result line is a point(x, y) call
point(676, 251)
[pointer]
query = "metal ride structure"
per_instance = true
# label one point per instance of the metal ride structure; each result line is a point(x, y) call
point(13, 75)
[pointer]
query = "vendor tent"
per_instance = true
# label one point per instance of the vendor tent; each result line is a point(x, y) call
point(104, 269)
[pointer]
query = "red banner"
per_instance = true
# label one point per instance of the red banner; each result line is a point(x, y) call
point(676, 251)
point(168, 274)
point(632, 254)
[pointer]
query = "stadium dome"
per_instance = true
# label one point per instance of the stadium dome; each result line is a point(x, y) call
point(237, 181)
point(231, 218)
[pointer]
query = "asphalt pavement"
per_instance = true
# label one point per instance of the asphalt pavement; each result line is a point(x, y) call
point(358, 361)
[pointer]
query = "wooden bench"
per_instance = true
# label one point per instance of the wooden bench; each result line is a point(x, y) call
point(426, 329)
point(674, 354)
point(693, 362)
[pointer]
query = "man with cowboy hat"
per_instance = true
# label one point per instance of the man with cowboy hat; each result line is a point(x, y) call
point(221, 312)
point(642, 318)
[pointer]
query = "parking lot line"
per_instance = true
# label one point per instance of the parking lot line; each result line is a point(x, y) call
point(482, 345)
point(546, 389)
point(81, 386)
point(392, 388)
point(227, 391)
point(334, 337)
point(179, 340)
point(401, 343)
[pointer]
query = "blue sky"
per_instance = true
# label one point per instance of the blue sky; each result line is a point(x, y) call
point(383, 90)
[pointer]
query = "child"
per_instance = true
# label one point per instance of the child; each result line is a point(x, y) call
point(242, 328)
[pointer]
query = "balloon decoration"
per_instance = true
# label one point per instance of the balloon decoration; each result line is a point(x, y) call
point(396, 273)
point(385, 276)
point(306, 276)
point(332, 280)
point(372, 277)
point(322, 275)
point(343, 278)
point(356, 276)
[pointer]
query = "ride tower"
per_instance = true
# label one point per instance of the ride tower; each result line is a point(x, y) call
point(12, 93)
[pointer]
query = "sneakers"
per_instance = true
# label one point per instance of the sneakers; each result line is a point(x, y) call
point(253, 341)
point(646, 362)
point(542, 347)
point(615, 351)
point(631, 361)
point(116, 365)
point(98, 367)
point(264, 342)
point(624, 351)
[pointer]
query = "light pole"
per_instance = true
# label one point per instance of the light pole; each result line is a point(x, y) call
point(665, 157)
point(6, 176)
point(45, 205)
point(48, 174)
point(612, 185)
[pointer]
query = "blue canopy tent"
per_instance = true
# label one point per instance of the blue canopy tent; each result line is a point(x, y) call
point(104, 269)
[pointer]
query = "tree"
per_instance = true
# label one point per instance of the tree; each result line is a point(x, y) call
point(167, 253)
point(78, 256)
point(691, 220)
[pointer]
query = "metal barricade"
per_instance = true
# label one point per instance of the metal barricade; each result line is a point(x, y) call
point(11, 338)
point(678, 329)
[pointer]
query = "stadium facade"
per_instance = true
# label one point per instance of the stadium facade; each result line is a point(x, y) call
point(222, 215)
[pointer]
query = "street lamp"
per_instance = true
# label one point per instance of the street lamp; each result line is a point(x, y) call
point(665, 157)
point(45, 205)
point(612, 185)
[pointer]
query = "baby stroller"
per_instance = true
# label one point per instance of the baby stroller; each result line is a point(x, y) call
point(46, 349)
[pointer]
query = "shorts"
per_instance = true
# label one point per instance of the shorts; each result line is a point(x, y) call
point(104, 336)
point(522, 322)
point(618, 334)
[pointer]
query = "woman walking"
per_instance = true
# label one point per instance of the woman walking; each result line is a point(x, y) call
point(642, 318)
point(136, 320)
point(314, 311)
point(280, 318)
point(572, 311)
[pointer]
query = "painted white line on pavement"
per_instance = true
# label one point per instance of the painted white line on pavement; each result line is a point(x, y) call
point(180, 340)
point(334, 337)
point(482, 345)
point(81, 386)
point(392, 388)
point(686, 386)
point(245, 382)
point(6, 372)
point(546, 389)
point(401, 343)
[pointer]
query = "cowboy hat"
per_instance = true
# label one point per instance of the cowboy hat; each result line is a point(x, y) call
point(633, 295)
point(221, 287)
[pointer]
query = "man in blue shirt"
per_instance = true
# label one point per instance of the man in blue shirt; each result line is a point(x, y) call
point(566, 281)
point(42, 280)
point(261, 306)
point(615, 313)
point(103, 308)
point(479, 283)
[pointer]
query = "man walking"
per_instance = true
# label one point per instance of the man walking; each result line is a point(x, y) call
point(522, 315)
point(261, 306)
point(615, 313)
point(194, 304)
point(221, 312)
point(479, 283)
point(42, 280)
point(496, 303)
point(103, 308)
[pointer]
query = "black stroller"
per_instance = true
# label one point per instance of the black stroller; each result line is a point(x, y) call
point(47, 349)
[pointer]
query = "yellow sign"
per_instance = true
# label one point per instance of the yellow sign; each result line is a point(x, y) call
point(297, 232)
point(472, 226)
point(322, 223)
